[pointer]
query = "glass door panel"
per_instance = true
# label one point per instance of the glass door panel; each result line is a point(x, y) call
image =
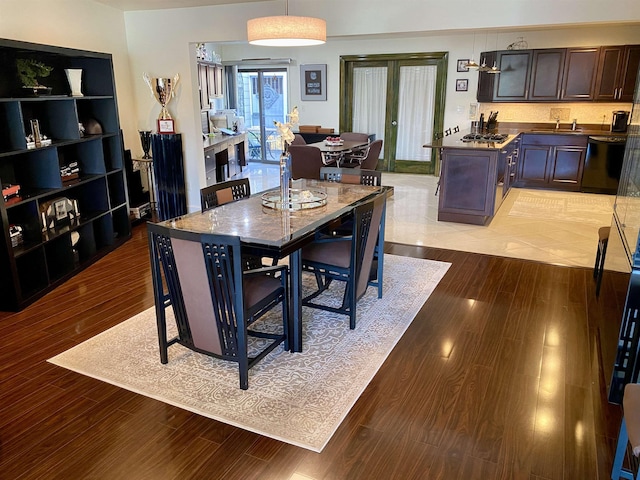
point(416, 107)
point(262, 99)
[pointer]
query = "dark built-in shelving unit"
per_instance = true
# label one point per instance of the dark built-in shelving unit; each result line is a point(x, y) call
point(46, 257)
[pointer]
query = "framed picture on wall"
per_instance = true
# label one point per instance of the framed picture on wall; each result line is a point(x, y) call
point(462, 85)
point(313, 82)
point(462, 65)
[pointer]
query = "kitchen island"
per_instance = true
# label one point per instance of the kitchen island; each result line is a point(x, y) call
point(474, 178)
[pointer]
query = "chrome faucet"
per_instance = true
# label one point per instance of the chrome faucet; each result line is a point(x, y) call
point(557, 123)
point(574, 125)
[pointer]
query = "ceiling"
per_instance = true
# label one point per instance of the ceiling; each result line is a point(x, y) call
point(127, 5)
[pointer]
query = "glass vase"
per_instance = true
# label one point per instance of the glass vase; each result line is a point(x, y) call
point(285, 179)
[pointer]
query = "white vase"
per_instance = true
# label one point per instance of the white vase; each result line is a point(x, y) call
point(74, 76)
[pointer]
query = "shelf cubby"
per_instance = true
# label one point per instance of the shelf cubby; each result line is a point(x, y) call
point(117, 193)
point(57, 117)
point(103, 110)
point(12, 136)
point(103, 231)
point(59, 254)
point(88, 154)
point(32, 273)
point(113, 152)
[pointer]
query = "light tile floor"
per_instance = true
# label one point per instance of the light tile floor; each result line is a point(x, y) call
point(545, 230)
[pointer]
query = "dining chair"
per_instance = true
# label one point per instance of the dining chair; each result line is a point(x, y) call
point(306, 162)
point(365, 158)
point(224, 192)
point(349, 175)
point(298, 140)
point(348, 259)
point(215, 301)
point(629, 433)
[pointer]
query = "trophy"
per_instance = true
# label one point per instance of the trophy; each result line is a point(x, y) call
point(163, 90)
point(145, 139)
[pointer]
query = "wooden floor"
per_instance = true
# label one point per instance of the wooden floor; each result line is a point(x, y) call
point(502, 375)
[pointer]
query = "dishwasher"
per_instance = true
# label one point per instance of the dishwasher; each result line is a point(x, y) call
point(603, 164)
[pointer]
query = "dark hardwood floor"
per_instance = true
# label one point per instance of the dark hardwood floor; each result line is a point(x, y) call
point(502, 375)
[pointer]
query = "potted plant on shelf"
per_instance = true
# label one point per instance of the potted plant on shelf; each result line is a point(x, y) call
point(29, 71)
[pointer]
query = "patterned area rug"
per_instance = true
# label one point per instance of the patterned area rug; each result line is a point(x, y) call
point(298, 398)
point(563, 206)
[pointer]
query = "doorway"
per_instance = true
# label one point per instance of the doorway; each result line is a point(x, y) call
point(399, 98)
point(262, 99)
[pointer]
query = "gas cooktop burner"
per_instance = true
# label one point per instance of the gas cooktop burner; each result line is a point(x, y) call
point(485, 137)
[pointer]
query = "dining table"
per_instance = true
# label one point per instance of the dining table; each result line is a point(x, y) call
point(278, 233)
point(334, 152)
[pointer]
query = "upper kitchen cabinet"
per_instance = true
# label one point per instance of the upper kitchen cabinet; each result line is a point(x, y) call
point(486, 80)
point(561, 74)
point(512, 84)
point(546, 74)
point(617, 73)
point(580, 68)
point(210, 77)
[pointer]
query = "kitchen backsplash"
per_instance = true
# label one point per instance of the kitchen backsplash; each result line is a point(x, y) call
point(588, 112)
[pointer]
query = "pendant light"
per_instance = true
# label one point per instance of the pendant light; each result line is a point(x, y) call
point(472, 63)
point(494, 69)
point(287, 31)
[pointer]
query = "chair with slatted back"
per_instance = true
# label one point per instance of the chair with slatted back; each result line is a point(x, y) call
point(224, 192)
point(367, 158)
point(350, 175)
point(215, 302)
point(348, 259)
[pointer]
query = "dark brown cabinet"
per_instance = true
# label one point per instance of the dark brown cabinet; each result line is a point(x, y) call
point(617, 73)
point(512, 84)
point(579, 79)
point(551, 161)
point(561, 74)
point(65, 222)
point(546, 74)
point(210, 82)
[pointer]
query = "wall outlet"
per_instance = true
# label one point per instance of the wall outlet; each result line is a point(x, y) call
point(559, 113)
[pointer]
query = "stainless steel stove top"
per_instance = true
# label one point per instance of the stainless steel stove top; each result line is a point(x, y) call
point(485, 137)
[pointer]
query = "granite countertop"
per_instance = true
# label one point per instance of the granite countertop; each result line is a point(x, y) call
point(514, 129)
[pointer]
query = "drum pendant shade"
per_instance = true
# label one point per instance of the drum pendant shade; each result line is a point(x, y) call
point(287, 31)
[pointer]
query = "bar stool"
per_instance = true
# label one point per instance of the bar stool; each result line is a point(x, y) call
point(598, 268)
point(629, 432)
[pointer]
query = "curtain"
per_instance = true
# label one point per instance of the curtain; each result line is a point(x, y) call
point(416, 105)
point(369, 100)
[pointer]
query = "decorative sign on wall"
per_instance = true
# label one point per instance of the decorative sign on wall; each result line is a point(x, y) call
point(313, 82)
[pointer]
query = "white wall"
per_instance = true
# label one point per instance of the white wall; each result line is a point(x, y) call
point(76, 24)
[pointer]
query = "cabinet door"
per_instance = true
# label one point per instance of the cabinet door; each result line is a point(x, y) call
point(486, 80)
point(631, 62)
point(579, 77)
point(609, 72)
point(532, 165)
point(546, 74)
point(566, 166)
point(203, 85)
point(512, 83)
point(214, 78)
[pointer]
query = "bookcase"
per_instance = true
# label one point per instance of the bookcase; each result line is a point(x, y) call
point(64, 224)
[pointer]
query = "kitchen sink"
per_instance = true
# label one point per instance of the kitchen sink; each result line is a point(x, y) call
point(556, 130)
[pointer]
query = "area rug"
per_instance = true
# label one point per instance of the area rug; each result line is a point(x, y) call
point(563, 206)
point(298, 398)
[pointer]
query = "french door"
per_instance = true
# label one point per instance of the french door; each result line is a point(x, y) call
point(262, 99)
point(399, 98)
